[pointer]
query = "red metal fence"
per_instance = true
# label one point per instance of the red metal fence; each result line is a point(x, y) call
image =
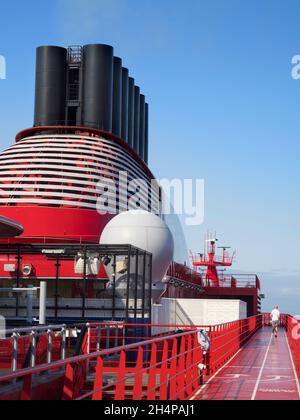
point(123, 361)
point(165, 367)
point(293, 332)
point(32, 346)
point(227, 339)
point(24, 348)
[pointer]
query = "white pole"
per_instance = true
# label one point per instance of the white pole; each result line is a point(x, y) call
point(30, 304)
point(43, 298)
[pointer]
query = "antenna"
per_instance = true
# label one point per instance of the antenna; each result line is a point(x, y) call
point(225, 254)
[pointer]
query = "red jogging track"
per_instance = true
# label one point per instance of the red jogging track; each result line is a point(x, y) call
point(262, 370)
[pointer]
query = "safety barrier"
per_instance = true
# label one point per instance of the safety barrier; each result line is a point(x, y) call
point(293, 332)
point(124, 361)
point(227, 339)
point(166, 367)
point(32, 346)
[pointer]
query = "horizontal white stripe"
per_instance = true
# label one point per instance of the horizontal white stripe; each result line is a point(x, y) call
point(122, 163)
point(62, 168)
point(122, 197)
point(39, 172)
point(76, 139)
point(68, 143)
point(144, 190)
point(61, 202)
point(82, 196)
point(77, 142)
point(53, 181)
point(36, 187)
point(82, 173)
point(43, 164)
point(43, 158)
point(133, 170)
point(47, 201)
point(83, 142)
point(81, 199)
point(101, 144)
point(28, 162)
point(55, 184)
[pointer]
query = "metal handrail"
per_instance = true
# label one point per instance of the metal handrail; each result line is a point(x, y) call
point(181, 365)
point(35, 329)
point(179, 326)
point(34, 334)
point(86, 357)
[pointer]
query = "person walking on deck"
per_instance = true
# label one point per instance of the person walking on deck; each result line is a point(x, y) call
point(275, 318)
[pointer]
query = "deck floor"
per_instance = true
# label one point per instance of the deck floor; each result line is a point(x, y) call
point(262, 370)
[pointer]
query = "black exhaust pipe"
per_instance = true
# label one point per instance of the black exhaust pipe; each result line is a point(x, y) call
point(105, 97)
point(117, 98)
point(98, 86)
point(146, 151)
point(131, 112)
point(50, 86)
point(136, 143)
point(125, 90)
point(142, 127)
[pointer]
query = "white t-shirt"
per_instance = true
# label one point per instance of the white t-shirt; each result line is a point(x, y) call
point(275, 315)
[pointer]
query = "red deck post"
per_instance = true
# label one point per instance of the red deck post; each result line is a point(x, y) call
point(26, 394)
point(75, 379)
point(120, 386)
point(181, 370)
point(151, 392)
point(173, 370)
point(98, 383)
point(163, 394)
point(189, 367)
point(138, 379)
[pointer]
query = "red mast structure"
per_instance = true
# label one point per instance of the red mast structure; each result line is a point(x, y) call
point(212, 262)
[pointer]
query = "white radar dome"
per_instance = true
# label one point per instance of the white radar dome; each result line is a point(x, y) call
point(146, 231)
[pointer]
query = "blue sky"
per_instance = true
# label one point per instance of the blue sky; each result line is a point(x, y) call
point(224, 107)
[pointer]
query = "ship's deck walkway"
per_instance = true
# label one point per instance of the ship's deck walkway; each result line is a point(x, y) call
point(262, 370)
point(118, 363)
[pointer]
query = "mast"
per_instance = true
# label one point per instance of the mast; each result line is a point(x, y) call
point(212, 262)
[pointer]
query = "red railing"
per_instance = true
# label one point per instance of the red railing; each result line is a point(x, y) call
point(185, 273)
point(245, 281)
point(123, 361)
point(24, 348)
point(227, 340)
point(160, 368)
point(32, 346)
point(293, 332)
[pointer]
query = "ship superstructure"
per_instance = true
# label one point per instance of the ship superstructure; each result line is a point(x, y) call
point(84, 161)
point(90, 127)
